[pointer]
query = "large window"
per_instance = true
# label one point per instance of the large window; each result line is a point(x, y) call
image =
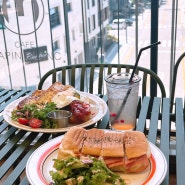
point(88, 32)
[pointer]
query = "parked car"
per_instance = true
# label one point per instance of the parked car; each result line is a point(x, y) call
point(7, 4)
point(116, 22)
point(129, 21)
point(133, 9)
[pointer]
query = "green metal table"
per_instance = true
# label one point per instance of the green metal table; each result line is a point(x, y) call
point(16, 145)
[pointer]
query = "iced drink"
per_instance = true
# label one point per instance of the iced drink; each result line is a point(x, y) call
point(122, 100)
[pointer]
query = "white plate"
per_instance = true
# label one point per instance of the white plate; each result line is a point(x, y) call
point(41, 162)
point(98, 110)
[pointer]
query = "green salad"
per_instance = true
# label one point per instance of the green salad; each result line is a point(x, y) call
point(33, 116)
point(83, 171)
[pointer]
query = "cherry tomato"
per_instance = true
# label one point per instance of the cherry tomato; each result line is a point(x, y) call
point(35, 123)
point(23, 121)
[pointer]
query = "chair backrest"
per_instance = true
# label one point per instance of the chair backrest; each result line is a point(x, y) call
point(174, 80)
point(90, 77)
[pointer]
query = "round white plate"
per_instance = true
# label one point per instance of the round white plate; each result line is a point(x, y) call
point(41, 162)
point(98, 110)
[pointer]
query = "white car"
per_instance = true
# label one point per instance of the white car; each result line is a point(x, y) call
point(116, 22)
point(7, 3)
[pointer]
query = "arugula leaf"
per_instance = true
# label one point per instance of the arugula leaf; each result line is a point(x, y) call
point(72, 170)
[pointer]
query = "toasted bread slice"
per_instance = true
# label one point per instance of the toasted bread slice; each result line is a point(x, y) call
point(51, 91)
point(92, 143)
point(42, 97)
point(73, 139)
point(33, 98)
point(112, 145)
point(136, 144)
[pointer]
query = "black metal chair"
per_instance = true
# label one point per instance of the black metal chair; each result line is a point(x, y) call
point(90, 77)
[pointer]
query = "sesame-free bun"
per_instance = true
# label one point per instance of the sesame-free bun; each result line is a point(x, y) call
point(127, 152)
point(136, 144)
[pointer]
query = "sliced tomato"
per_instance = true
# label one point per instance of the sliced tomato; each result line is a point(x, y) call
point(35, 123)
point(23, 121)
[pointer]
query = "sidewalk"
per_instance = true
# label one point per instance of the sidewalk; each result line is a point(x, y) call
point(125, 51)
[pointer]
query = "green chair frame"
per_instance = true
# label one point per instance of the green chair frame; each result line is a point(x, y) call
point(68, 75)
point(82, 77)
point(174, 80)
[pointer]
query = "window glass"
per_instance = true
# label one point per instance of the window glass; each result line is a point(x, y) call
point(54, 17)
point(89, 24)
point(55, 45)
point(93, 2)
point(73, 34)
point(93, 22)
point(87, 4)
point(69, 7)
point(89, 33)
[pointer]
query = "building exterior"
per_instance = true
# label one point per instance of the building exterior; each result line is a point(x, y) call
point(42, 34)
point(96, 16)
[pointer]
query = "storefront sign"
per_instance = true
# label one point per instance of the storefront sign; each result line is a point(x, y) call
point(36, 54)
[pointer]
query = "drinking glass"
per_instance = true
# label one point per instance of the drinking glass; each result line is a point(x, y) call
point(122, 100)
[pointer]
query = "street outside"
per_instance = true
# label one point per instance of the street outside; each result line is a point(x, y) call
point(127, 53)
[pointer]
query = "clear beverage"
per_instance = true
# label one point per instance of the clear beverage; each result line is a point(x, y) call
point(122, 117)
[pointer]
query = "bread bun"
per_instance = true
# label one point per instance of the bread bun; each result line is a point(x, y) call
point(73, 139)
point(112, 145)
point(148, 153)
point(92, 143)
point(126, 152)
point(136, 144)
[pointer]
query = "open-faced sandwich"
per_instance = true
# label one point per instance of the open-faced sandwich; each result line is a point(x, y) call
point(33, 109)
point(126, 152)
